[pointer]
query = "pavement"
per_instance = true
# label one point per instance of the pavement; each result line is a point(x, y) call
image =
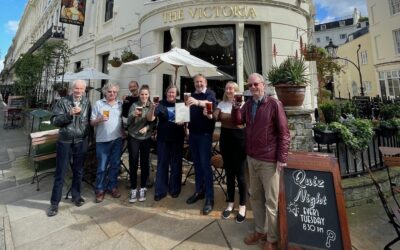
point(117, 224)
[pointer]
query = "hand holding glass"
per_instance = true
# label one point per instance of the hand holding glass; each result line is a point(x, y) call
point(209, 108)
point(139, 111)
point(186, 96)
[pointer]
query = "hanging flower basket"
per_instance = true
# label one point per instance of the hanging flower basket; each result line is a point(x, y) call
point(128, 56)
point(115, 62)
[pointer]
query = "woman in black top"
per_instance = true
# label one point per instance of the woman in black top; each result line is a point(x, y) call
point(170, 136)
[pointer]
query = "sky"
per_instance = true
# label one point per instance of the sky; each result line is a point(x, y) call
point(12, 10)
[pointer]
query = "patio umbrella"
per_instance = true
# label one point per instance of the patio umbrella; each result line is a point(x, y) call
point(90, 74)
point(67, 77)
point(176, 62)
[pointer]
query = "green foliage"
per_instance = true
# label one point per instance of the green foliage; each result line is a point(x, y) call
point(347, 108)
point(355, 133)
point(329, 108)
point(389, 110)
point(115, 61)
point(291, 71)
point(128, 56)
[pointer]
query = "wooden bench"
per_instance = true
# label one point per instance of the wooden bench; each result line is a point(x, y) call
point(40, 139)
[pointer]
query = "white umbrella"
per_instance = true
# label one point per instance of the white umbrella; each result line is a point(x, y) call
point(67, 77)
point(90, 74)
point(176, 62)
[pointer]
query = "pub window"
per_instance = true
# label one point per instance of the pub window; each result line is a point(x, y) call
point(216, 45)
point(78, 66)
point(109, 10)
point(251, 48)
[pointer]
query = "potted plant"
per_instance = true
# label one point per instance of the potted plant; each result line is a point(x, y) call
point(328, 108)
point(311, 52)
point(290, 80)
point(324, 134)
point(356, 133)
point(115, 61)
point(128, 56)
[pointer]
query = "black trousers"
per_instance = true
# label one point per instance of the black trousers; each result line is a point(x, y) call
point(135, 146)
point(233, 153)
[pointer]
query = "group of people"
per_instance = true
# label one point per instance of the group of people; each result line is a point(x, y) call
point(254, 138)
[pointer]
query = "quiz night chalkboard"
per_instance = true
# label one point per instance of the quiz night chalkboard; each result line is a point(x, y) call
point(312, 214)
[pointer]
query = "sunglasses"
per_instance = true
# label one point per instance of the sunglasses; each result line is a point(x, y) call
point(255, 84)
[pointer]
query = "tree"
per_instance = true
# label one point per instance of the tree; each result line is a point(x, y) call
point(28, 69)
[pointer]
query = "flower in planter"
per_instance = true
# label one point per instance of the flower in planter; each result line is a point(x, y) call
point(115, 61)
point(291, 71)
point(128, 56)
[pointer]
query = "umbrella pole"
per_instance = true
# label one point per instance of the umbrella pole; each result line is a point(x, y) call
point(176, 73)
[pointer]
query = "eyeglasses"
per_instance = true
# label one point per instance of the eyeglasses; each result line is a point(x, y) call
point(255, 84)
point(111, 92)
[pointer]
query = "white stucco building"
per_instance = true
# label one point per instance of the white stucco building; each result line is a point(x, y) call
point(237, 36)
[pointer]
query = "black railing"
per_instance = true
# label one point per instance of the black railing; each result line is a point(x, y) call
point(353, 165)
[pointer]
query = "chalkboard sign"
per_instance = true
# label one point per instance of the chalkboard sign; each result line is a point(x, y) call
point(312, 214)
point(16, 101)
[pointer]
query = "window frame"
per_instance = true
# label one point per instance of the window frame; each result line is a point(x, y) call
point(396, 41)
point(109, 10)
point(394, 7)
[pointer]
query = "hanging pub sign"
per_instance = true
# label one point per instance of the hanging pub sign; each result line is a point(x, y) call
point(73, 12)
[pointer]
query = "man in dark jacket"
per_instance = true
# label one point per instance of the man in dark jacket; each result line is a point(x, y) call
point(267, 146)
point(72, 115)
point(201, 130)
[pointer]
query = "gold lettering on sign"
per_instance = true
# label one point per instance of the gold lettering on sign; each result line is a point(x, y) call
point(236, 11)
point(173, 16)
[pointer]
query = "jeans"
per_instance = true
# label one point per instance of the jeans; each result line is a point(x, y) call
point(169, 168)
point(108, 153)
point(200, 146)
point(234, 157)
point(136, 146)
point(63, 155)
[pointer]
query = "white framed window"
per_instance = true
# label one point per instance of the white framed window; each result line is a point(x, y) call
point(327, 38)
point(394, 6)
point(390, 83)
point(364, 57)
point(323, 26)
point(342, 23)
point(343, 36)
point(367, 87)
point(396, 38)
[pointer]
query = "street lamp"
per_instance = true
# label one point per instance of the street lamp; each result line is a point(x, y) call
point(332, 50)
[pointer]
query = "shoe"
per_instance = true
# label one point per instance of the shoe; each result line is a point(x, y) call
point(253, 238)
point(175, 195)
point(208, 206)
point(240, 218)
point(133, 196)
point(226, 213)
point(270, 246)
point(142, 194)
point(115, 193)
point(159, 197)
point(100, 196)
point(52, 210)
point(79, 202)
point(194, 198)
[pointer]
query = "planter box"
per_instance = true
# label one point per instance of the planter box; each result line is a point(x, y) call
point(325, 137)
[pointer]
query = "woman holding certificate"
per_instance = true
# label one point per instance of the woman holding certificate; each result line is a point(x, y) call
point(170, 136)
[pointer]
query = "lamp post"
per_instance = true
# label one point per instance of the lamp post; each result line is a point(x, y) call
point(332, 50)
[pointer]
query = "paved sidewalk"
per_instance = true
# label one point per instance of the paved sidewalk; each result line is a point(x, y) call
point(117, 224)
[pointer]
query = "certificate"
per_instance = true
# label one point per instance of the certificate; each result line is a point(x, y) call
point(182, 113)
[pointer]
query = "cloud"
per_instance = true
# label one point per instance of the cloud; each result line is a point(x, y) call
point(12, 26)
point(340, 8)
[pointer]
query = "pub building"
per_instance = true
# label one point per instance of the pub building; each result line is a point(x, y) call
point(239, 37)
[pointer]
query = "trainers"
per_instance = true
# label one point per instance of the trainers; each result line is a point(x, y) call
point(142, 194)
point(240, 218)
point(226, 213)
point(133, 196)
